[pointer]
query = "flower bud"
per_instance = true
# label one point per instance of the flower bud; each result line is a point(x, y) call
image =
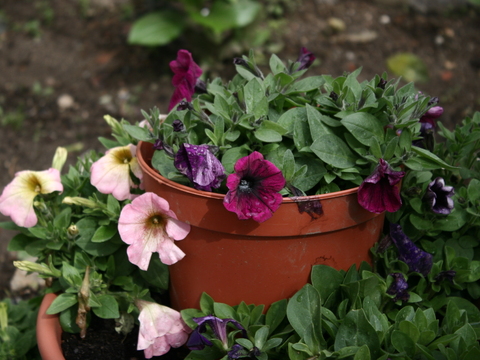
point(73, 231)
point(59, 158)
point(81, 202)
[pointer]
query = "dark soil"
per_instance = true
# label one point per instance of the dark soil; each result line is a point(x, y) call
point(64, 66)
point(103, 342)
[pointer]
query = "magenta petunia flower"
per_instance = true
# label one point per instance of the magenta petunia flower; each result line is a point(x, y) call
point(378, 192)
point(438, 196)
point(253, 188)
point(111, 173)
point(18, 196)
point(148, 225)
point(186, 75)
point(200, 166)
point(160, 329)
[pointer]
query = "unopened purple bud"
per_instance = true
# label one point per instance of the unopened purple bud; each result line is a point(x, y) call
point(333, 96)
point(158, 145)
point(184, 105)
point(178, 125)
point(381, 84)
point(446, 275)
point(305, 59)
point(201, 87)
point(433, 101)
point(240, 61)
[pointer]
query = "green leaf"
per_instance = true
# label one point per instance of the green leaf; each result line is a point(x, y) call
point(267, 135)
point(255, 100)
point(108, 308)
point(62, 302)
point(473, 190)
point(156, 28)
point(432, 157)
point(225, 15)
point(364, 127)
point(224, 311)
point(137, 132)
point(308, 84)
point(276, 64)
point(333, 151)
point(275, 314)
point(288, 119)
point(402, 342)
point(363, 353)
point(87, 227)
point(156, 274)
point(326, 280)
point(163, 163)
point(104, 233)
point(355, 330)
point(303, 310)
point(316, 125)
point(409, 66)
point(62, 220)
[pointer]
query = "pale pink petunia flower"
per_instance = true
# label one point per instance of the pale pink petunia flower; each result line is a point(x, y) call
point(18, 196)
point(148, 225)
point(111, 173)
point(160, 329)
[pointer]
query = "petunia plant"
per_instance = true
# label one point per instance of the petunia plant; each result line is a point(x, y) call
point(322, 133)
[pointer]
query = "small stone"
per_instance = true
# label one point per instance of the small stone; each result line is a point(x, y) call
point(385, 19)
point(336, 24)
point(439, 39)
point(65, 102)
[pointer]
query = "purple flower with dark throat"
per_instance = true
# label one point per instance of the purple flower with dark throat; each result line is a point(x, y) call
point(438, 196)
point(399, 288)
point(186, 75)
point(200, 166)
point(305, 59)
point(253, 188)
point(378, 192)
point(197, 341)
point(416, 259)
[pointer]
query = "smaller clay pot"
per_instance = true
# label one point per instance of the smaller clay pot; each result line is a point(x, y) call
point(49, 331)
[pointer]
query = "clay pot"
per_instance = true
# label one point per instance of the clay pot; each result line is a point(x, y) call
point(241, 260)
point(49, 331)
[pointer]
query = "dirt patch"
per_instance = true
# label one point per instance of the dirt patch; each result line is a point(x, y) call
point(60, 77)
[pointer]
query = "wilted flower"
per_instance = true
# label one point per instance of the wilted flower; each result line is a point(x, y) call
point(378, 192)
point(305, 60)
point(431, 115)
point(416, 259)
point(439, 196)
point(111, 173)
point(186, 75)
point(160, 329)
point(178, 125)
point(219, 327)
point(446, 275)
point(399, 287)
point(18, 196)
point(200, 166)
point(148, 225)
point(253, 188)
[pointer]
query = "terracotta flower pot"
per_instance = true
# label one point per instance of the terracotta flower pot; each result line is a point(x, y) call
point(259, 263)
point(49, 331)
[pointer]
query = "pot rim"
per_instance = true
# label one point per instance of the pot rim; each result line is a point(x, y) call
point(211, 195)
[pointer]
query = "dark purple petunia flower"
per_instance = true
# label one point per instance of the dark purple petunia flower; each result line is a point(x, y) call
point(439, 196)
point(378, 192)
point(200, 166)
point(253, 188)
point(431, 115)
point(305, 59)
point(186, 75)
point(238, 352)
point(399, 287)
point(416, 259)
point(446, 275)
point(219, 327)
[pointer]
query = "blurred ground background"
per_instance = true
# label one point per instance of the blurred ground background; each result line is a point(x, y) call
point(64, 64)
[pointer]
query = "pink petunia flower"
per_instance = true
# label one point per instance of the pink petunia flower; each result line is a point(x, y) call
point(187, 72)
point(18, 196)
point(111, 173)
point(148, 225)
point(431, 115)
point(378, 192)
point(253, 188)
point(160, 329)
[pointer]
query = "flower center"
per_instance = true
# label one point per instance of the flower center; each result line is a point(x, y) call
point(157, 220)
point(245, 185)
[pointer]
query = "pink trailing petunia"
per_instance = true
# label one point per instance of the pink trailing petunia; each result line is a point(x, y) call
point(18, 196)
point(111, 173)
point(187, 72)
point(160, 329)
point(378, 192)
point(431, 115)
point(253, 188)
point(148, 225)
